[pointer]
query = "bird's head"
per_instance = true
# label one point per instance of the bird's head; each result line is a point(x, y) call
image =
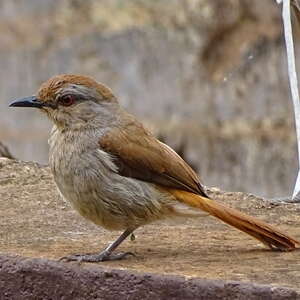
point(72, 101)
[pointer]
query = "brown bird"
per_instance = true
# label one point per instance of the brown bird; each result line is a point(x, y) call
point(117, 174)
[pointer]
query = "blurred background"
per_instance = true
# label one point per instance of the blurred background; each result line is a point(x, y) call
point(209, 78)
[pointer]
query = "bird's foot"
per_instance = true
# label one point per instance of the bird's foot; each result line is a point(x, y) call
point(102, 256)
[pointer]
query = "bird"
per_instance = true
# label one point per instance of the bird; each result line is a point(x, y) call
point(116, 174)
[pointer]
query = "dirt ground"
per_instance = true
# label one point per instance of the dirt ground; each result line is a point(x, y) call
point(35, 222)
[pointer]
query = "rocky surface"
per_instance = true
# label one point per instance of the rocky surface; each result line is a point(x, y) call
point(22, 278)
point(36, 223)
point(207, 74)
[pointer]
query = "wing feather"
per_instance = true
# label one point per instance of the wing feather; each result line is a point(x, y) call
point(138, 154)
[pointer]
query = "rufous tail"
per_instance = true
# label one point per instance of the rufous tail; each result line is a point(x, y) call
point(267, 234)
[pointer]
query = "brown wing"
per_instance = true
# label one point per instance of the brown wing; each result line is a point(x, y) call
point(138, 154)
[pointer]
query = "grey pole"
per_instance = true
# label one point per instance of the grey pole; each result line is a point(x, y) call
point(288, 34)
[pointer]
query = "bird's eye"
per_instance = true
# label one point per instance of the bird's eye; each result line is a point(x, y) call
point(67, 100)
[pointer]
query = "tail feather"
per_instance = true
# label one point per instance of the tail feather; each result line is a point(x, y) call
point(267, 234)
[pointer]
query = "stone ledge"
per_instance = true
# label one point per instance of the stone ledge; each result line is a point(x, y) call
point(26, 278)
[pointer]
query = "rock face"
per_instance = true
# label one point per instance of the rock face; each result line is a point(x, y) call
point(207, 74)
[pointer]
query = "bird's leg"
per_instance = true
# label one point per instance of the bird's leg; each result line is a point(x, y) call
point(105, 255)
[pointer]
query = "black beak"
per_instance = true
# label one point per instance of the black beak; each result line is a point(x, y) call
point(32, 101)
